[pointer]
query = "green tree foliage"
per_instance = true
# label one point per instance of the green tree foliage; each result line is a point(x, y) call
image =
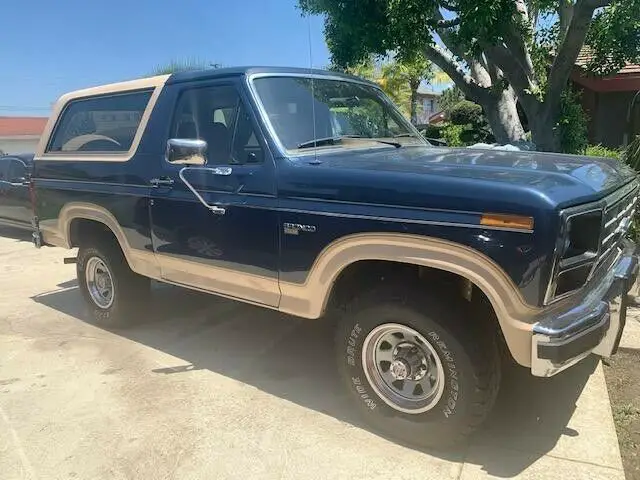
point(602, 151)
point(400, 79)
point(572, 124)
point(452, 134)
point(496, 51)
point(407, 74)
point(632, 154)
point(466, 113)
point(449, 98)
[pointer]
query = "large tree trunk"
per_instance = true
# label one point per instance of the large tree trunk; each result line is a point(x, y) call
point(502, 115)
point(543, 133)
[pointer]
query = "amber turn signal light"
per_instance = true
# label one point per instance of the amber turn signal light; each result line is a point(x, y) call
point(518, 222)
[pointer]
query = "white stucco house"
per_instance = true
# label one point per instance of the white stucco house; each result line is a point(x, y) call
point(20, 134)
point(428, 101)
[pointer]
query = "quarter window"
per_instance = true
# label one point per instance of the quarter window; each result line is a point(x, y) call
point(100, 124)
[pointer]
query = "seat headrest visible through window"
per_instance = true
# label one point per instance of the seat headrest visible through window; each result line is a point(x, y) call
point(218, 141)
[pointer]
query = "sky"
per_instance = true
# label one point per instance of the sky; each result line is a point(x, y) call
point(48, 48)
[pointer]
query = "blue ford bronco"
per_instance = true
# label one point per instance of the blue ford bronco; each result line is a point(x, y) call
point(308, 192)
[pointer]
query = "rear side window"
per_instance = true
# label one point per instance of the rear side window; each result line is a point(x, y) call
point(4, 168)
point(100, 124)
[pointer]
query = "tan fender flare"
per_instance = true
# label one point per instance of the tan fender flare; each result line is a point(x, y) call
point(514, 314)
point(58, 232)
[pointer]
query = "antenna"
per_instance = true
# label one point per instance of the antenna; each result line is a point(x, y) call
point(313, 94)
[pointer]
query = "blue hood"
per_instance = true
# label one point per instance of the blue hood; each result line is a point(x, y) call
point(541, 180)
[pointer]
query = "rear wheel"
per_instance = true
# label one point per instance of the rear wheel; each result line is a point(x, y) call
point(114, 293)
point(418, 366)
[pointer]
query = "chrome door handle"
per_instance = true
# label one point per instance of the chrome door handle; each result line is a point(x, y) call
point(165, 182)
point(217, 210)
point(224, 171)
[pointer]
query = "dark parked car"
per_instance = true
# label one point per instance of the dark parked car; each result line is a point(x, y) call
point(15, 197)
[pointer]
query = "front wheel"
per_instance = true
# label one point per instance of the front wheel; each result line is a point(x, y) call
point(112, 290)
point(419, 367)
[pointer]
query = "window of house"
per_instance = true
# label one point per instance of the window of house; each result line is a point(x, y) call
point(218, 116)
point(100, 124)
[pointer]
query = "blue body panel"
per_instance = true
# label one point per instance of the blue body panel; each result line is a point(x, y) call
point(435, 192)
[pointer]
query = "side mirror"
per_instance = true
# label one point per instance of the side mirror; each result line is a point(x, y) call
point(186, 151)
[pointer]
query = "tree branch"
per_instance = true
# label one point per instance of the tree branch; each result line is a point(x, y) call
point(569, 49)
point(444, 24)
point(447, 63)
point(478, 71)
point(565, 13)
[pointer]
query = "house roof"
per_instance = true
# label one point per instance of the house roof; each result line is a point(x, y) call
point(586, 56)
point(22, 126)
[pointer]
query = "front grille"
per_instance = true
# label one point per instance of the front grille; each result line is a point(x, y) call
point(618, 215)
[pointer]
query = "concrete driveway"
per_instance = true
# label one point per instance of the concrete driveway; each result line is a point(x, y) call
point(212, 389)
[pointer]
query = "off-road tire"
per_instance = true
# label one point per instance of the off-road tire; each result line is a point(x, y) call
point(467, 348)
point(130, 290)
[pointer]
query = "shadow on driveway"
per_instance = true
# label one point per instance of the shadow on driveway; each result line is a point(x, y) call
point(293, 359)
point(18, 234)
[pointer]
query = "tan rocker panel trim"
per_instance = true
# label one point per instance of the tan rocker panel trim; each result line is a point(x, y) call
point(156, 83)
point(309, 300)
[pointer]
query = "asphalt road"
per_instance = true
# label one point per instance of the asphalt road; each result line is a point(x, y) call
point(206, 388)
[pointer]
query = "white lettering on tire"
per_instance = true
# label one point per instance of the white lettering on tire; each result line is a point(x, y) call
point(362, 392)
point(351, 344)
point(449, 360)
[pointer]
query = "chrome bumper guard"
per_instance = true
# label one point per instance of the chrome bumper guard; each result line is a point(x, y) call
point(594, 326)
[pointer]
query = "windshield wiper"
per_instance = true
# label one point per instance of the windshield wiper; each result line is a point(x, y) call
point(400, 135)
point(321, 142)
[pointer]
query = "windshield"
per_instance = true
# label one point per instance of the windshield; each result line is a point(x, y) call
point(347, 114)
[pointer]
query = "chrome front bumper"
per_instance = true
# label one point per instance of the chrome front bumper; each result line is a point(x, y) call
point(593, 326)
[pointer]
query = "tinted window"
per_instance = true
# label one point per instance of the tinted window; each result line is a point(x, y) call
point(218, 116)
point(100, 124)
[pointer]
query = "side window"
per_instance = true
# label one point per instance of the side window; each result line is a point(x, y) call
point(17, 171)
point(217, 116)
point(4, 169)
point(100, 124)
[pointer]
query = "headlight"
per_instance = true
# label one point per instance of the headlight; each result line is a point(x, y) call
point(577, 251)
point(582, 235)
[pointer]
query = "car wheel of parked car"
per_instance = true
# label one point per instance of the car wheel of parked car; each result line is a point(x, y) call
point(418, 366)
point(112, 290)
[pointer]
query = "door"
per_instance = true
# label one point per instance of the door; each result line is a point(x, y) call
point(19, 195)
point(4, 189)
point(214, 225)
point(15, 201)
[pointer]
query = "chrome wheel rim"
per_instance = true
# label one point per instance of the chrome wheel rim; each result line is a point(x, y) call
point(403, 368)
point(99, 282)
